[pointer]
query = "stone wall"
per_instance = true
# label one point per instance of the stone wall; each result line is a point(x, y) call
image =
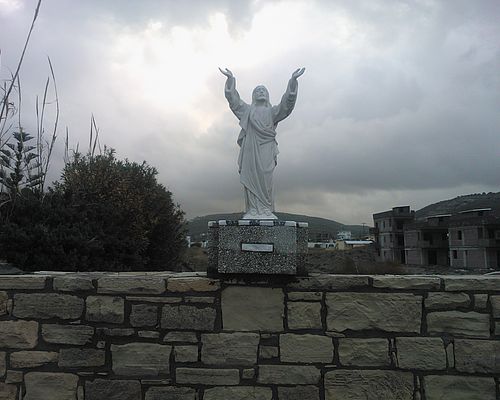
point(185, 337)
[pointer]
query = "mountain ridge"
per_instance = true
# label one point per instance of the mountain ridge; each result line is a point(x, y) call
point(462, 203)
point(317, 225)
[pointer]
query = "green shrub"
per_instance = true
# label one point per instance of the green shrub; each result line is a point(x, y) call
point(104, 214)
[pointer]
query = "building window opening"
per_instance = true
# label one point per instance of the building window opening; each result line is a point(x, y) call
point(480, 233)
point(455, 254)
point(459, 235)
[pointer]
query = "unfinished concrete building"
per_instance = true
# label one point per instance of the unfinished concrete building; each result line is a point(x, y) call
point(389, 233)
point(474, 237)
point(426, 242)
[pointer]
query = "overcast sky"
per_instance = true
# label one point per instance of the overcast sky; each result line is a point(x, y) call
point(399, 104)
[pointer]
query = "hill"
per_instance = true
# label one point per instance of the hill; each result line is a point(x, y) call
point(198, 226)
point(461, 203)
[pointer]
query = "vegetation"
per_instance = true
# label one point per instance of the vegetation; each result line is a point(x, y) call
point(104, 214)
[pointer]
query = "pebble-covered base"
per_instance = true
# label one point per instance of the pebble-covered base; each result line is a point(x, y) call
point(257, 247)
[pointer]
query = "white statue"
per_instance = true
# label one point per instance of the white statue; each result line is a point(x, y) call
point(257, 141)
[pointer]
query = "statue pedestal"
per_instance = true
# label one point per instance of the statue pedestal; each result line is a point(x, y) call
point(269, 247)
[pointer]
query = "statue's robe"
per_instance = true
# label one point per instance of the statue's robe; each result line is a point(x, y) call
point(258, 146)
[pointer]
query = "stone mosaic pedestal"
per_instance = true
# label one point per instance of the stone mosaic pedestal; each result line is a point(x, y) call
point(257, 247)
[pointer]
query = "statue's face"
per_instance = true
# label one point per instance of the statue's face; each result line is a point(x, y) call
point(260, 93)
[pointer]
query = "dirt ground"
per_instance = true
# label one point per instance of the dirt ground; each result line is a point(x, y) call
point(356, 261)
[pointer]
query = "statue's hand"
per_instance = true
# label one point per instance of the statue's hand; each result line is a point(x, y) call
point(298, 73)
point(228, 74)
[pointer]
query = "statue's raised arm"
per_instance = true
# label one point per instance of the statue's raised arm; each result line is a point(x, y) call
point(236, 105)
point(295, 75)
point(287, 103)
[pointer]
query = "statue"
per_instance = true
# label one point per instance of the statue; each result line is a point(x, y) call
point(257, 141)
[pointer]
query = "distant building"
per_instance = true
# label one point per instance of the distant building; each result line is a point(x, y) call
point(389, 233)
point(351, 244)
point(344, 235)
point(321, 237)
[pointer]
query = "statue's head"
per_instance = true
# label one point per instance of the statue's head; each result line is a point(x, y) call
point(260, 95)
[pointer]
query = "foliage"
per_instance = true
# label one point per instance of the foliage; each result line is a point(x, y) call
point(104, 214)
point(18, 166)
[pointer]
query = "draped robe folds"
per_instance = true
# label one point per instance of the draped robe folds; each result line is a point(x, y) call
point(258, 146)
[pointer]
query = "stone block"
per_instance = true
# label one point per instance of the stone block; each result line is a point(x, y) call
point(480, 301)
point(460, 283)
point(187, 337)
point(32, 359)
point(369, 385)
point(248, 373)
point(170, 393)
point(141, 359)
point(447, 301)
point(207, 376)
point(298, 393)
point(18, 334)
point(8, 392)
point(22, 282)
point(144, 315)
point(471, 324)
point(81, 357)
point(148, 334)
point(4, 299)
point(450, 355)
point(185, 354)
point(238, 393)
point(252, 309)
point(67, 334)
point(411, 282)
point(459, 388)
point(389, 312)
point(268, 352)
point(200, 299)
point(228, 349)
point(47, 305)
point(302, 315)
point(105, 309)
point(130, 285)
point(306, 348)
point(151, 299)
point(477, 356)
point(73, 283)
point(188, 317)
point(115, 331)
point(495, 305)
point(326, 282)
point(288, 375)
point(13, 376)
point(359, 352)
point(50, 386)
point(192, 284)
point(421, 353)
point(3, 363)
point(101, 389)
point(305, 296)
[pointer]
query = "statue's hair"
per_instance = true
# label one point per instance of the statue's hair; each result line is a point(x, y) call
point(254, 100)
